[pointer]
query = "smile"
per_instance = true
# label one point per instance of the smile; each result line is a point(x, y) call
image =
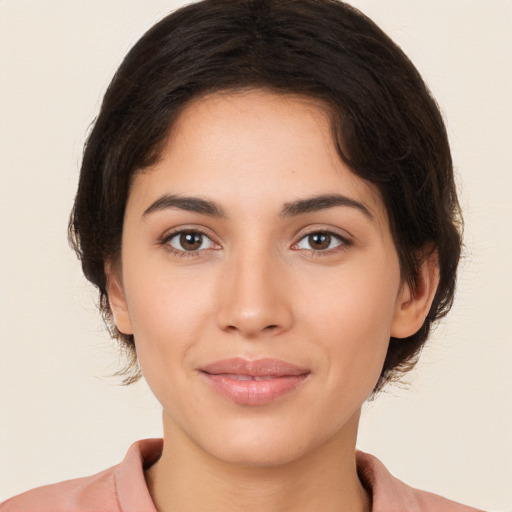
point(254, 383)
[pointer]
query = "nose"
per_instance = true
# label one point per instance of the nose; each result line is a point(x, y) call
point(253, 297)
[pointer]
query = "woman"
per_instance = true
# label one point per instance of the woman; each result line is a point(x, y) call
point(267, 207)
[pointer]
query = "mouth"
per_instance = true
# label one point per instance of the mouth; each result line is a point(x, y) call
point(257, 382)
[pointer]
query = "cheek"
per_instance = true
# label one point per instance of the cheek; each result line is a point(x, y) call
point(351, 319)
point(168, 314)
point(162, 300)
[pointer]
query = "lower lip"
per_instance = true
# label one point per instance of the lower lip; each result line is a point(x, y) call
point(254, 392)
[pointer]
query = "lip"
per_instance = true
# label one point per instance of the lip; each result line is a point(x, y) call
point(256, 382)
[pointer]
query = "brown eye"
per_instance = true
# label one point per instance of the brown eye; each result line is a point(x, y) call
point(190, 241)
point(320, 241)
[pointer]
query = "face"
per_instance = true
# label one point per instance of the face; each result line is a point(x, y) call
point(259, 278)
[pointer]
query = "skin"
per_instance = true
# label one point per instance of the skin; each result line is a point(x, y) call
point(258, 287)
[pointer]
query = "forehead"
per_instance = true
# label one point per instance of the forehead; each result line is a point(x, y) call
point(249, 145)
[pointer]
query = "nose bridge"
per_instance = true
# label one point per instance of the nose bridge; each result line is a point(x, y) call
point(251, 297)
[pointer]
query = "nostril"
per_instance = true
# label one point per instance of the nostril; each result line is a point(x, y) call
point(272, 327)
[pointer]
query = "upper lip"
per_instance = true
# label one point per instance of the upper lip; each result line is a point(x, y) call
point(254, 368)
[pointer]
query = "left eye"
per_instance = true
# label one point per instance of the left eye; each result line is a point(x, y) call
point(320, 241)
point(190, 241)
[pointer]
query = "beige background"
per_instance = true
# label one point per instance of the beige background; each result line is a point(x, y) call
point(62, 416)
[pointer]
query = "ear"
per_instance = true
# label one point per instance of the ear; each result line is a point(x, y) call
point(412, 306)
point(117, 299)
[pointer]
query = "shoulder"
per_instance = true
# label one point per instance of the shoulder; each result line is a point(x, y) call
point(95, 492)
point(119, 488)
point(391, 494)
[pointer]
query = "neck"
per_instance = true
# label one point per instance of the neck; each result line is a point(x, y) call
point(188, 479)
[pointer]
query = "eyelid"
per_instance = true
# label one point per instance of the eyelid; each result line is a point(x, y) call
point(346, 241)
point(169, 235)
point(327, 229)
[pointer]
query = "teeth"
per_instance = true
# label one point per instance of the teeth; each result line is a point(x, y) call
point(267, 377)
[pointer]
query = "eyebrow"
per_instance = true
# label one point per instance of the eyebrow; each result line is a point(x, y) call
point(291, 209)
point(322, 202)
point(192, 204)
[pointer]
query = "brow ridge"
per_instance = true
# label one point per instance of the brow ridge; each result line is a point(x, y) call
point(322, 202)
point(290, 209)
point(193, 204)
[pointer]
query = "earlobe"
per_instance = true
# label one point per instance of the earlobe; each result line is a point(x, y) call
point(117, 299)
point(412, 306)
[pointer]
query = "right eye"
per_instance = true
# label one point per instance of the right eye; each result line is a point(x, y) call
point(189, 241)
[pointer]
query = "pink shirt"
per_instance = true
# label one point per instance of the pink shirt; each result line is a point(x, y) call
point(122, 488)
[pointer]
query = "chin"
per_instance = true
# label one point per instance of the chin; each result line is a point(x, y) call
point(263, 445)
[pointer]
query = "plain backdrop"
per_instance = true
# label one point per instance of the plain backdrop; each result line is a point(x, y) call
point(62, 414)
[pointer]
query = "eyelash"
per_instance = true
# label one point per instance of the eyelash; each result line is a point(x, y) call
point(343, 245)
point(182, 253)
